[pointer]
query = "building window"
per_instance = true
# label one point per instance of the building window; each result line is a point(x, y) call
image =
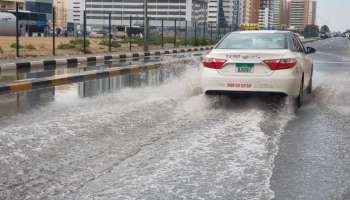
point(3, 6)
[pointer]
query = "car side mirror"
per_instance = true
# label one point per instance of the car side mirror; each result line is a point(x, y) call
point(310, 50)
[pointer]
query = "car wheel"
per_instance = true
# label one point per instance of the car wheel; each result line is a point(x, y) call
point(309, 88)
point(300, 99)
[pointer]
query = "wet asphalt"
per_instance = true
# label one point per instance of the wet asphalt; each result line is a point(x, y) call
point(313, 160)
point(153, 135)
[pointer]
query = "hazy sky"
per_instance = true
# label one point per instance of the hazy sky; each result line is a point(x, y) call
point(334, 13)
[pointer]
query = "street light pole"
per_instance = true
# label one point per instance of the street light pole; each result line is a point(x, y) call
point(145, 26)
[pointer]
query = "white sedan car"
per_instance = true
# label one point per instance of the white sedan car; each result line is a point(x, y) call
point(259, 61)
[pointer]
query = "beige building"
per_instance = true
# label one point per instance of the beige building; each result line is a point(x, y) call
point(302, 13)
point(61, 13)
point(250, 11)
point(6, 5)
point(311, 17)
point(284, 15)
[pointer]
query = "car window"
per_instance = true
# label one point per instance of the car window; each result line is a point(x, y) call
point(254, 41)
point(296, 44)
point(301, 45)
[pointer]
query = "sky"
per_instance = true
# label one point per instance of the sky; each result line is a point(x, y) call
point(334, 13)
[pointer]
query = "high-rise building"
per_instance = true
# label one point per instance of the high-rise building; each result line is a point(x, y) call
point(61, 13)
point(276, 14)
point(311, 18)
point(265, 14)
point(250, 11)
point(301, 13)
point(75, 13)
point(69, 13)
point(284, 14)
point(223, 13)
point(121, 10)
point(297, 14)
point(272, 14)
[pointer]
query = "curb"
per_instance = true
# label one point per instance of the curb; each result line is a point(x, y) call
point(74, 78)
point(73, 62)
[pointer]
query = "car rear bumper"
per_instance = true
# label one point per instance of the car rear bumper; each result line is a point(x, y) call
point(284, 81)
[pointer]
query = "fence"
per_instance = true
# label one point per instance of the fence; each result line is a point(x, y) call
point(107, 33)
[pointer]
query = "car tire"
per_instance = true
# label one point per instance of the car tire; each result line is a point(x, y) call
point(300, 99)
point(309, 88)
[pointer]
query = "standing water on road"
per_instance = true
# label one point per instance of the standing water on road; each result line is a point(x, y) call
point(152, 136)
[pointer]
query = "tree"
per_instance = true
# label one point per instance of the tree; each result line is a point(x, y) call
point(325, 29)
point(311, 31)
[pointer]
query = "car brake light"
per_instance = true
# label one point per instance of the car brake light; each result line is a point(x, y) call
point(213, 63)
point(279, 64)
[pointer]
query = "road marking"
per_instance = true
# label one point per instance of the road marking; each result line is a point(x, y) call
point(60, 81)
point(21, 86)
point(134, 69)
point(332, 62)
point(151, 66)
point(90, 77)
point(114, 72)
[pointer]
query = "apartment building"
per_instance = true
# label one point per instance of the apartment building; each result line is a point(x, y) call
point(284, 14)
point(121, 10)
point(61, 13)
point(224, 13)
point(265, 14)
point(311, 18)
point(250, 11)
point(276, 7)
point(301, 13)
point(75, 14)
point(297, 14)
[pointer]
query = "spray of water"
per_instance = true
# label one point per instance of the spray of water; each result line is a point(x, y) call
point(148, 142)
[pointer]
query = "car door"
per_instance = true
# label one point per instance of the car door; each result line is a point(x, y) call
point(307, 64)
point(300, 55)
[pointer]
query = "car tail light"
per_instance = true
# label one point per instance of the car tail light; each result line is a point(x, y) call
point(279, 64)
point(213, 63)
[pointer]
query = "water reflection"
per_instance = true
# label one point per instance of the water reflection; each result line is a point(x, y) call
point(139, 79)
point(11, 104)
point(16, 103)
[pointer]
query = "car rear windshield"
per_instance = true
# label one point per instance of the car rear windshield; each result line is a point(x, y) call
point(254, 41)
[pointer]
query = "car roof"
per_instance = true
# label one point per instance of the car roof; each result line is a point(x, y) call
point(263, 31)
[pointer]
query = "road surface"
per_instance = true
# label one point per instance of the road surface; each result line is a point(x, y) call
point(154, 136)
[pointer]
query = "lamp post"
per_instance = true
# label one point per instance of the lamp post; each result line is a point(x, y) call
point(145, 26)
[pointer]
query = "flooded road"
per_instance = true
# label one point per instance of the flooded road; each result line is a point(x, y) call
point(153, 135)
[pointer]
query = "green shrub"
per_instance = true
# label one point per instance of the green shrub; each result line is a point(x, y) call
point(75, 43)
point(30, 47)
point(13, 45)
point(135, 40)
point(169, 40)
point(65, 46)
point(158, 40)
point(105, 42)
point(79, 43)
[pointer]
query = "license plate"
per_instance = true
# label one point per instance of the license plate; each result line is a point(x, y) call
point(239, 85)
point(244, 67)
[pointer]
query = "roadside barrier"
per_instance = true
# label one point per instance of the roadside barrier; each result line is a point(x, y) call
point(79, 77)
point(74, 62)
